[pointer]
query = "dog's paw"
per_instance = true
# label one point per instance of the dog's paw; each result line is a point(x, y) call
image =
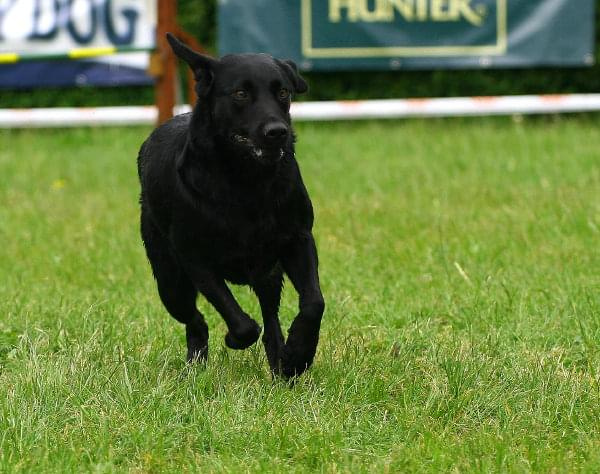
point(295, 362)
point(197, 343)
point(243, 337)
point(298, 353)
point(197, 354)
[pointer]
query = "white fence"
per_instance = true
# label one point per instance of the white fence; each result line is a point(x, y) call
point(334, 110)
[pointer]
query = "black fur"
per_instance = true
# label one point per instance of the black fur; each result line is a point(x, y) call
point(223, 200)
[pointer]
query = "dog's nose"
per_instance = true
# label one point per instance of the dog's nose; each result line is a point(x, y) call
point(275, 131)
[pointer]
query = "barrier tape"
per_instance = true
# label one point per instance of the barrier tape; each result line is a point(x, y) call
point(336, 110)
point(77, 53)
point(8, 58)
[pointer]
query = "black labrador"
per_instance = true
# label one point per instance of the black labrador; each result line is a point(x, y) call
point(223, 200)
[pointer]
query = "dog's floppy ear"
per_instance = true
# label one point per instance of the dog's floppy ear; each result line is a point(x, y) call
point(291, 70)
point(202, 66)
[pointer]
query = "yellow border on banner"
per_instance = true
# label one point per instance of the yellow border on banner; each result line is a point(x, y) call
point(8, 58)
point(91, 52)
point(407, 51)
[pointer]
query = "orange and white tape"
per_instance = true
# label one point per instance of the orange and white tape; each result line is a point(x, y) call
point(334, 110)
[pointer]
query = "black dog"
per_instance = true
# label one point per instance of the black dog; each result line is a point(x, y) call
point(222, 199)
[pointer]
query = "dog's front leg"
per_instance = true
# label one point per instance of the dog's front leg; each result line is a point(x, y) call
point(243, 330)
point(301, 266)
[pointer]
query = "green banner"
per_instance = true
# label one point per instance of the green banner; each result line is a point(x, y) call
point(411, 34)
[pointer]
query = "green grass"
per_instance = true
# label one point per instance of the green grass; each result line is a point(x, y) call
point(460, 262)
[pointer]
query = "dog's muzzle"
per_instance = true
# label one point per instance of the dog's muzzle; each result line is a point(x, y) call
point(264, 155)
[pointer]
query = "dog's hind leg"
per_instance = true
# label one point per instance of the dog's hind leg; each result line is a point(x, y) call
point(176, 291)
point(179, 297)
point(268, 291)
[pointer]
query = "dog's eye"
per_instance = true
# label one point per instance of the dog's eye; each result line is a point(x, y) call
point(240, 94)
point(283, 93)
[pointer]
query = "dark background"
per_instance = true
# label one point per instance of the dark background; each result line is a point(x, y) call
point(199, 19)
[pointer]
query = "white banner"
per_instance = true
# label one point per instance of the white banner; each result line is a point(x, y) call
point(38, 28)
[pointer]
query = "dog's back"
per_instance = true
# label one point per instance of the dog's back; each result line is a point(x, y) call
point(157, 161)
point(158, 152)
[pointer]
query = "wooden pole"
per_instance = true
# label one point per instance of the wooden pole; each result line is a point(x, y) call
point(164, 61)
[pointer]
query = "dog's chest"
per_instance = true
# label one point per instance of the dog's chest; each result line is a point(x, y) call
point(248, 243)
point(241, 233)
point(248, 230)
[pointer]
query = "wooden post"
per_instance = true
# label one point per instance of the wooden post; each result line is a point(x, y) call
point(164, 61)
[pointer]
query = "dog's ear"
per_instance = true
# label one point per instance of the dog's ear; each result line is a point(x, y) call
point(291, 70)
point(202, 66)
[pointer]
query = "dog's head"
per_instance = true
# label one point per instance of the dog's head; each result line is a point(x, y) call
point(249, 99)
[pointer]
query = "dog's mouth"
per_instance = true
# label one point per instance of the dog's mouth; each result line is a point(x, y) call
point(240, 139)
point(259, 153)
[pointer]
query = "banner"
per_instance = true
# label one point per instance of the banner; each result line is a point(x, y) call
point(50, 29)
point(411, 34)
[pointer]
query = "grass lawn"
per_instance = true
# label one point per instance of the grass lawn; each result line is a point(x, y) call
point(460, 262)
